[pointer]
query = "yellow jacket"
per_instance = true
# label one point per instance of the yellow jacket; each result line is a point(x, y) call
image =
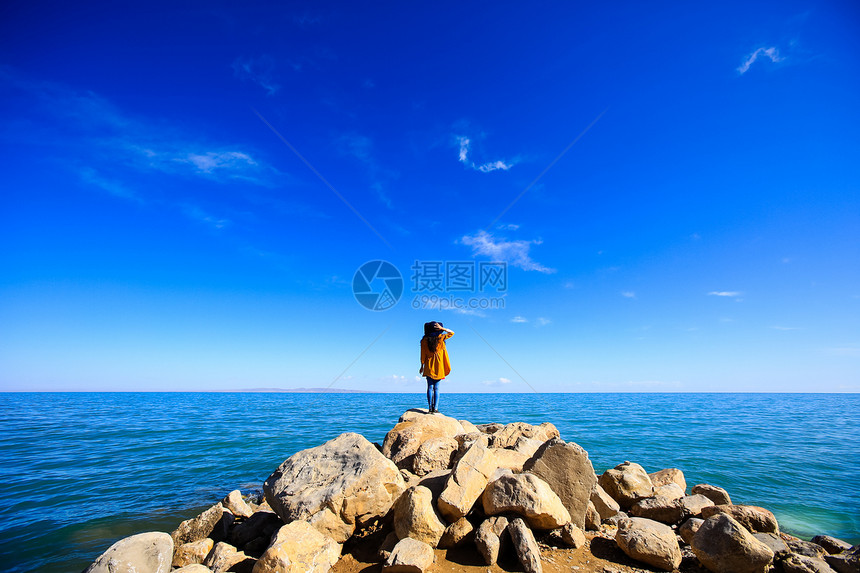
point(435, 364)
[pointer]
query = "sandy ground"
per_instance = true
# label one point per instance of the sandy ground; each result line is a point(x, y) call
point(599, 555)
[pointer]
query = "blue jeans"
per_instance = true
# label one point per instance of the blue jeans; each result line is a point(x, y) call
point(432, 393)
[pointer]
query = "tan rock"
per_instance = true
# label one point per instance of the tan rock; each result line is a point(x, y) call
point(467, 480)
point(831, 544)
point(657, 508)
point(403, 440)
point(716, 494)
point(802, 564)
point(525, 545)
point(194, 568)
point(527, 446)
point(457, 533)
point(488, 538)
point(151, 552)
point(669, 490)
point(507, 437)
point(626, 483)
point(298, 547)
point(191, 553)
point(409, 556)
point(572, 536)
point(755, 519)
point(434, 454)
point(605, 506)
point(335, 487)
point(415, 516)
point(801, 547)
point(469, 427)
point(669, 476)
point(225, 557)
point(846, 562)
point(213, 523)
point(650, 542)
point(693, 505)
point(510, 459)
point(569, 473)
point(490, 429)
point(387, 546)
point(723, 545)
point(592, 518)
point(689, 528)
point(526, 495)
point(236, 505)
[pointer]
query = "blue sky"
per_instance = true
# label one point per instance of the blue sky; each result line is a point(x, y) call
point(188, 190)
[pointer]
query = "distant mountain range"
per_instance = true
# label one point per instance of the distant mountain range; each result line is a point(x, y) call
point(306, 390)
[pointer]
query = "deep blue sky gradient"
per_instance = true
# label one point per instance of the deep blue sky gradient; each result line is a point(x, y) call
point(702, 235)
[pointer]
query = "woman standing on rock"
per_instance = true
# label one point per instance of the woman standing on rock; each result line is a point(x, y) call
point(434, 360)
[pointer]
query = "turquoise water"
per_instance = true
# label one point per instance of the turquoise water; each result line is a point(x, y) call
point(81, 470)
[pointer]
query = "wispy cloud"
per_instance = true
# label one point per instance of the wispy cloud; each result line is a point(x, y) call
point(93, 177)
point(497, 382)
point(771, 53)
point(541, 321)
point(488, 167)
point(724, 293)
point(258, 70)
point(198, 214)
point(516, 253)
point(519, 319)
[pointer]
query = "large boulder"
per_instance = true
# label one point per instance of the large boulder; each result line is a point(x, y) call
point(801, 547)
point(508, 436)
point(603, 503)
point(831, 544)
point(525, 545)
point(657, 508)
point(670, 490)
point(467, 481)
point(802, 564)
point(335, 487)
point(434, 454)
point(415, 516)
point(569, 473)
point(214, 523)
point(488, 538)
point(299, 548)
point(409, 556)
point(755, 519)
point(414, 428)
point(510, 459)
point(716, 494)
point(526, 495)
point(626, 483)
point(669, 476)
point(693, 505)
point(650, 542)
point(150, 552)
point(192, 553)
point(723, 545)
point(846, 562)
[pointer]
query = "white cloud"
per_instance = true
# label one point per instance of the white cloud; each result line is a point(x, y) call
point(515, 253)
point(211, 161)
point(786, 328)
point(497, 382)
point(488, 167)
point(724, 293)
point(519, 319)
point(508, 227)
point(628, 294)
point(257, 70)
point(541, 321)
point(771, 53)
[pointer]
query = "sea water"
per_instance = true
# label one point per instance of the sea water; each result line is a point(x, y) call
point(81, 470)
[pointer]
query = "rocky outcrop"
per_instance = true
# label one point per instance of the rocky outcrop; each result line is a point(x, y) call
point(565, 467)
point(414, 428)
point(716, 494)
point(650, 542)
point(467, 480)
point(336, 486)
point(508, 436)
point(415, 516)
point(151, 552)
point(755, 519)
point(409, 556)
point(526, 495)
point(626, 483)
point(723, 545)
point(525, 545)
point(299, 548)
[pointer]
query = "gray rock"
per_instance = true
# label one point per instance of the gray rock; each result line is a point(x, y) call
point(831, 544)
point(845, 562)
point(723, 545)
point(488, 538)
point(617, 519)
point(149, 552)
point(775, 542)
point(526, 495)
point(689, 528)
point(569, 473)
point(409, 556)
point(262, 523)
point(603, 502)
point(803, 564)
point(650, 542)
point(626, 483)
point(335, 487)
point(806, 548)
point(716, 494)
point(755, 519)
point(525, 545)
